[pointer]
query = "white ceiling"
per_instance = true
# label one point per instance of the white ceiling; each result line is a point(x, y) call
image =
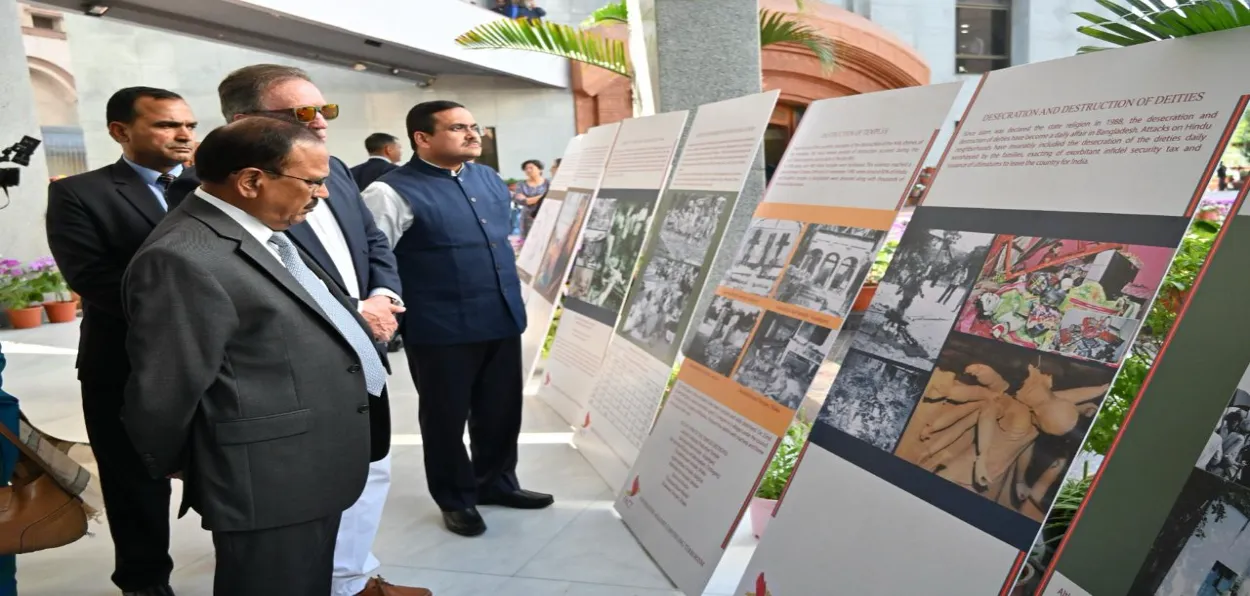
point(243, 25)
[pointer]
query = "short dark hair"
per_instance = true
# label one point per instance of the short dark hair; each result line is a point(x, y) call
point(121, 106)
point(241, 90)
point(421, 117)
point(556, 163)
point(537, 164)
point(263, 143)
point(378, 141)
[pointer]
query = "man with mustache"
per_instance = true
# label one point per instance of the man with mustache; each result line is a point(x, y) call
point(448, 220)
point(95, 223)
point(342, 239)
point(252, 373)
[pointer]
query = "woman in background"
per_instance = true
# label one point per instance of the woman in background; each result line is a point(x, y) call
point(529, 193)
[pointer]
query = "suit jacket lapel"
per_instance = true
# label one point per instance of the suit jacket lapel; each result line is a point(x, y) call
point(133, 189)
point(250, 248)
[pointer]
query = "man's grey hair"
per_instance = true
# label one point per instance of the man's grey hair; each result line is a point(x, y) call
point(241, 90)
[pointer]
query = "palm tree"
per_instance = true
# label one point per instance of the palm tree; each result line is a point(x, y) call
point(590, 47)
point(1144, 21)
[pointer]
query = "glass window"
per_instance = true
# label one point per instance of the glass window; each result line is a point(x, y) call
point(982, 36)
point(44, 22)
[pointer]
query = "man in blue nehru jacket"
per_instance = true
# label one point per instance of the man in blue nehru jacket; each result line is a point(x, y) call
point(448, 221)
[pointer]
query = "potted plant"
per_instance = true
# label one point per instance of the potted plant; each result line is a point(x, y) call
point(777, 475)
point(57, 300)
point(18, 297)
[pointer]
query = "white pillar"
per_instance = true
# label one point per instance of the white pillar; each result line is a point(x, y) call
point(22, 221)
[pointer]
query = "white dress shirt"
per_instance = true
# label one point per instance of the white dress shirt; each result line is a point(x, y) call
point(391, 212)
point(254, 227)
point(326, 225)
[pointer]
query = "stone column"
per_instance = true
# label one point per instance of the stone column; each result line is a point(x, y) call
point(21, 222)
point(707, 51)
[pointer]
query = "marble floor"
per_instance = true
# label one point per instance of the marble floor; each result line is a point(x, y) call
point(579, 547)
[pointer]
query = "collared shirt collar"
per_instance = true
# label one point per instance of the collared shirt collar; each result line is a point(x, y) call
point(250, 224)
point(149, 175)
point(452, 173)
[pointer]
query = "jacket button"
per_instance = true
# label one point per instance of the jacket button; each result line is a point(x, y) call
point(362, 409)
point(355, 368)
point(483, 220)
point(472, 199)
point(493, 245)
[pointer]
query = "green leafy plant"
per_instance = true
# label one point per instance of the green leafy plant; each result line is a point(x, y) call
point(46, 278)
point(783, 462)
point(1067, 502)
point(1144, 21)
point(16, 290)
point(551, 332)
point(1174, 289)
point(590, 47)
point(882, 262)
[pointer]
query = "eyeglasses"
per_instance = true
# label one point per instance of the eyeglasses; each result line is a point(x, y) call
point(313, 185)
point(305, 114)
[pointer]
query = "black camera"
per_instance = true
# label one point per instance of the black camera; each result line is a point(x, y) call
point(19, 154)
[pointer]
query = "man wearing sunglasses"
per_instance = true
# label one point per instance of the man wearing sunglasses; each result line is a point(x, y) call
point(344, 241)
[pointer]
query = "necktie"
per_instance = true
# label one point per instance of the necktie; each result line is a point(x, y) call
point(163, 181)
point(375, 374)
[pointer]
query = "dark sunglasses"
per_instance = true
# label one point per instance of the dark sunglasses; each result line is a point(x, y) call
point(306, 114)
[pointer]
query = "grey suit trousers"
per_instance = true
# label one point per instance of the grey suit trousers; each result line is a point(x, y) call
point(296, 560)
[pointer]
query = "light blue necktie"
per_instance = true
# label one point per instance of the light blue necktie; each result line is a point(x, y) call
point(375, 374)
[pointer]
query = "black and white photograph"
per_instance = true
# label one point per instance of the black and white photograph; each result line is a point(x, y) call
point(829, 267)
point(783, 358)
point(763, 255)
point(654, 319)
point(690, 224)
point(1227, 452)
point(611, 245)
point(872, 399)
point(1204, 547)
point(921, 294)
point(662, 299)
point(721, 335)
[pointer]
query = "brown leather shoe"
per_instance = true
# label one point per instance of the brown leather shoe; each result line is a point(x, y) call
point(380, 587)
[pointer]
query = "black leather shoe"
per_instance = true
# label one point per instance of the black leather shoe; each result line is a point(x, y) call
point(519, 499)
point(158, 591)
point(465, 522)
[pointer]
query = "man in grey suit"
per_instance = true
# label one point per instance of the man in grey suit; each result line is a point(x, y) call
point(251, 374)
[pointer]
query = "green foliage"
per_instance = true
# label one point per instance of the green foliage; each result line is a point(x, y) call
point(551, 332)
point(779, 27)
point(1158, 322)
point(550, 38)
point(17, 288)
point(782, 465)
point(592, 48)
point(882, 262)
point(616, 12)
point(1144, 21)
point(1068, 501)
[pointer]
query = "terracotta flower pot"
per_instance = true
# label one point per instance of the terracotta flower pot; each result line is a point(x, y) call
point(761, 510)
point(61, 312)
point(25, 318)
point(864, 298)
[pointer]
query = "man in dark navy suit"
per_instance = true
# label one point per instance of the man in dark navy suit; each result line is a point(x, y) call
point(384, 153)
point(343, 241)
point(449, 220)
point(96, 221)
